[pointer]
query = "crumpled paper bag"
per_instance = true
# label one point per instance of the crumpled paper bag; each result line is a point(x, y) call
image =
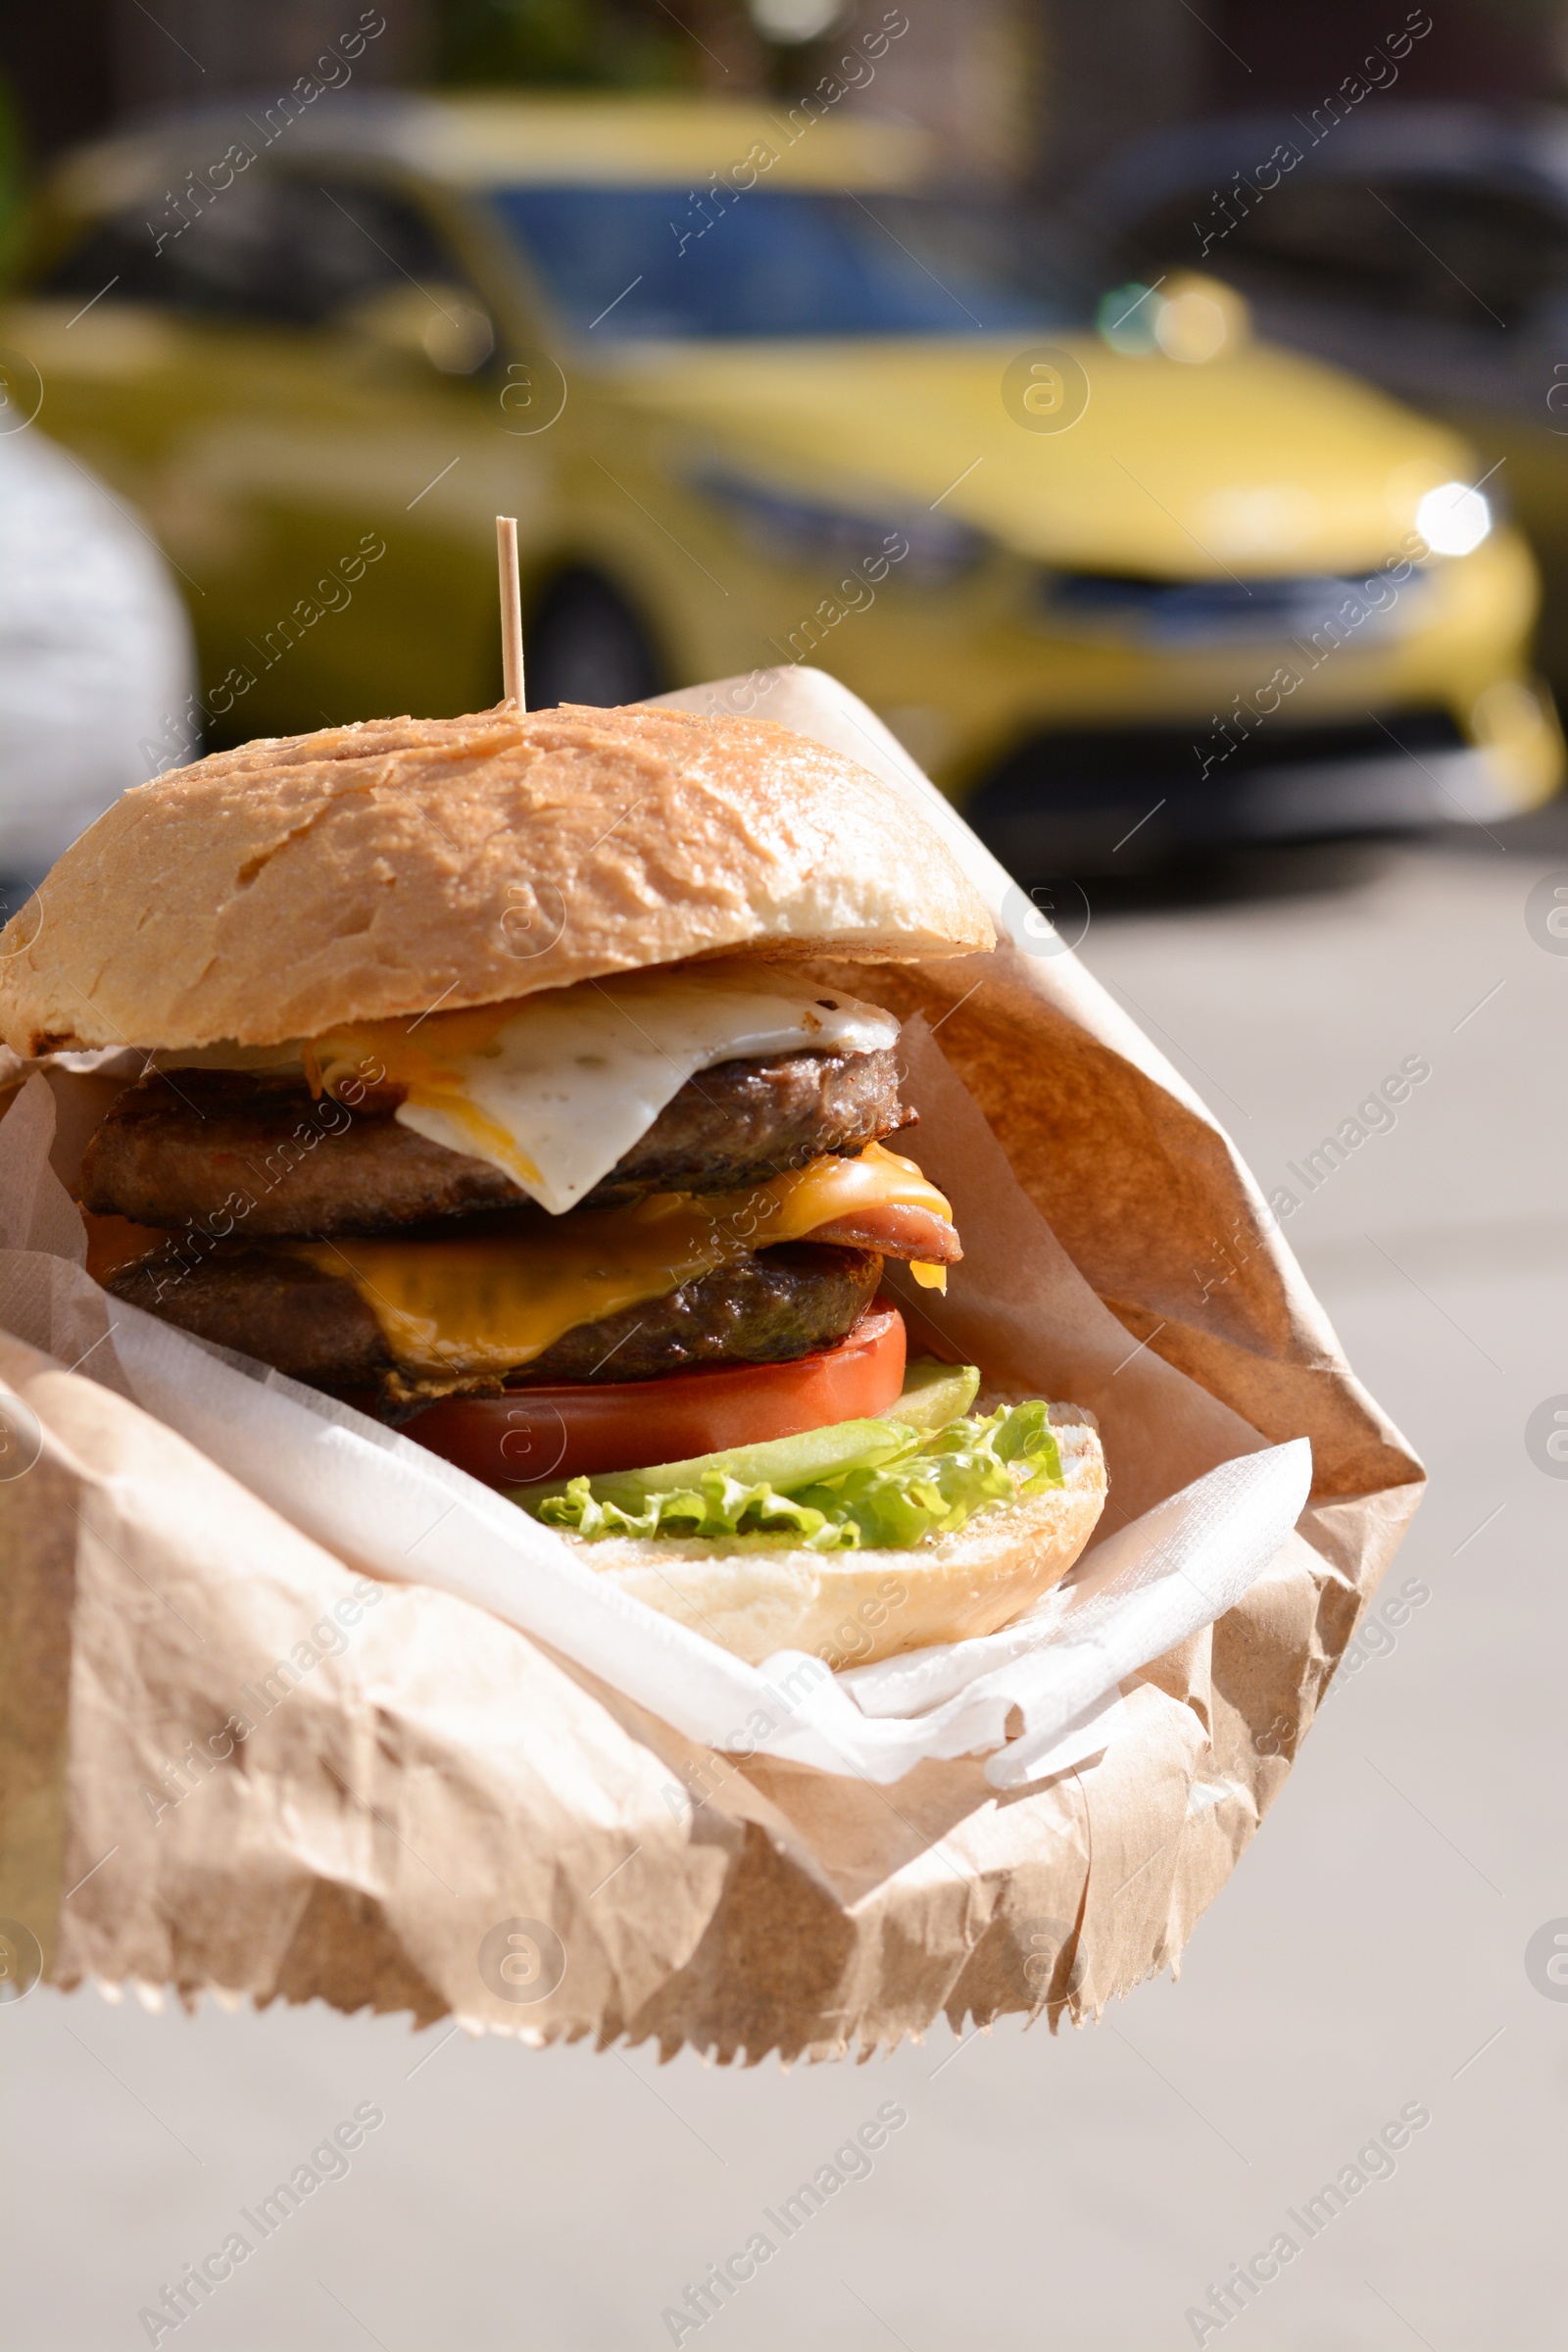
point(491, 1787)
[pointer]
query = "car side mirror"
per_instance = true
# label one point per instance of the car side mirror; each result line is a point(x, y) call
point(442, 324)
point(1201, 317)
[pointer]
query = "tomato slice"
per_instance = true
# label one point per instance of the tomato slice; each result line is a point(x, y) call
point(566, 1431)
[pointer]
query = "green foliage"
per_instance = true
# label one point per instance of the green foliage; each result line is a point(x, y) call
point(12, 207)
point(606, 44)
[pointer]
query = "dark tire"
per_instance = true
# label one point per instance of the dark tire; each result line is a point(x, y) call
point(586, 644)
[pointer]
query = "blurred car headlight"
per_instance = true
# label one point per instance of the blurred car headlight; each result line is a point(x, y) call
point(800, 530)
point(1453, 519)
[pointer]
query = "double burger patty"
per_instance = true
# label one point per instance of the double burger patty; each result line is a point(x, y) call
point(236, 1152)
point(767, 1308)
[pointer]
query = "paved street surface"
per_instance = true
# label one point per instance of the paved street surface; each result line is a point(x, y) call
point(1367, 1962)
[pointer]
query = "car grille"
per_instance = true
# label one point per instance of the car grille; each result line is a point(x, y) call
point(1082, 761)
point(1231, 611)
point(1065, 802)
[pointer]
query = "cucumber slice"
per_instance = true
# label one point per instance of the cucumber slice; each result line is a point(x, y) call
point(935, 1393)
point(781, 1463)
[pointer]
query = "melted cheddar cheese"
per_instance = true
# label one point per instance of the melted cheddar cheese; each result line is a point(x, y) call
point(488, 1302)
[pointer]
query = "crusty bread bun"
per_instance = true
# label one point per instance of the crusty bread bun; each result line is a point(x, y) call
point(850, 1607)
point(301, 883)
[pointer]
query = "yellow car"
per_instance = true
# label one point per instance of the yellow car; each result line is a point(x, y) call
point(1123, 580)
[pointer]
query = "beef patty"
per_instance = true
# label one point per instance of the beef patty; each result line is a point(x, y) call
point(234, 1151)
point(766, 1308)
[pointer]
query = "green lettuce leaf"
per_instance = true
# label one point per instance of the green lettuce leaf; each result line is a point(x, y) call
point(907, 1484)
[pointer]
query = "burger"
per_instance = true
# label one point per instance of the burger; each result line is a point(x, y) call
point(496, 1076)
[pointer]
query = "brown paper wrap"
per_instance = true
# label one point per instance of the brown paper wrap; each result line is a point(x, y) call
point(372, 1836)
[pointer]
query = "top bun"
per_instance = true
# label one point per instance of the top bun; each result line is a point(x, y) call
point(307, 881)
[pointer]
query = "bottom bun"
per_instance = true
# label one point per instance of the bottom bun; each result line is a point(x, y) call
point(753, 1597)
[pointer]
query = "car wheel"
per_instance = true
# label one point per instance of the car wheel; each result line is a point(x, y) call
point(586, 644)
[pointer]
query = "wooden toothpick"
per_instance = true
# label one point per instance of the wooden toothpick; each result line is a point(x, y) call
point(511, 611)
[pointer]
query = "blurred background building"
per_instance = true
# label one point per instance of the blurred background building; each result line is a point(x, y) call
point(1283, 389)
point(1040, 90)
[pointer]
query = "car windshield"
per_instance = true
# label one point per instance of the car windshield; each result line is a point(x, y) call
point(684, 263)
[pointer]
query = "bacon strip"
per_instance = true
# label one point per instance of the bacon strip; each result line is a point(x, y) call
point(896, 1230)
